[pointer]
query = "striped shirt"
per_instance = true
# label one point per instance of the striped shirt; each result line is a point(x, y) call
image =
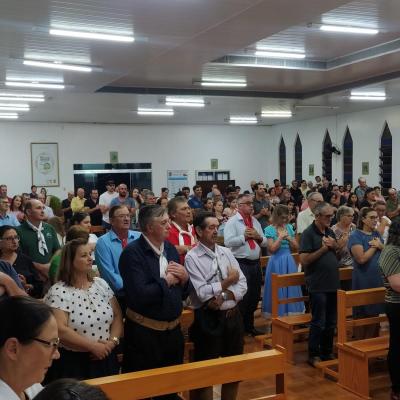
point(389, 262)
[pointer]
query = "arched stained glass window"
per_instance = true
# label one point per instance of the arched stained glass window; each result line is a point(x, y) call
point(386, 159)
point(298, 159)
point(282, 162)
point(348, 158)
point(327, 157)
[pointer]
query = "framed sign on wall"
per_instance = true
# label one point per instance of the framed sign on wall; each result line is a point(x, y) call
point(44, 164)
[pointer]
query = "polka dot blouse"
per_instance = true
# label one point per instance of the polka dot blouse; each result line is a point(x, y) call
point(89, 310)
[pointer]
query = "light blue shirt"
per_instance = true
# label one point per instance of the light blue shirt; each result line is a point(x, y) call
point(235, 240)
point(108, 251)
point(9, 219)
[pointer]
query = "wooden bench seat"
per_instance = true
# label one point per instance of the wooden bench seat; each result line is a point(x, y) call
point(179, 378)
point(354, 356)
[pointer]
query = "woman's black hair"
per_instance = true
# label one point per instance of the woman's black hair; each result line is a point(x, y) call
point(394, 232)
point(70, 389)
point(22, 317)
point(78, 217)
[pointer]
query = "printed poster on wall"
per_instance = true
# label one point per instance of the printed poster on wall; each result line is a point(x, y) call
point(176, 180)
point(44, 159)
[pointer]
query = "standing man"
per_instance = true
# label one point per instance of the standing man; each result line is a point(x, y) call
point(155, 285)
point(3, 193)
point(306, 217)
point(92, 207)
point(296, 193)
point(66, 207)
point(164, 193)
point(392, 204)
point(6, 217)
point(196, 200)
point(48, 211)
point(186, 192)
point(33, 194)
point(244, 236)
point(123, 199)
point(261, 206)
point(181, 233)
point(109, 248)
point(104, 202)
point(78, 202)
point(38, 240)
point(218, 287)
point(318, 257)
point(361, 188)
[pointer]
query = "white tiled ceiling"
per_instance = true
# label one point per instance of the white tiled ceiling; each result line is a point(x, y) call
point(176, 44)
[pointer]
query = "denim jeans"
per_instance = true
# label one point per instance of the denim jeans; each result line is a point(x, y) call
point(323, 323)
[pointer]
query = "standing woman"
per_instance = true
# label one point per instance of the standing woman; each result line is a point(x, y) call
point(16, 208)
point(365, 245)
point(281, 241)
point(389, 263)
point(23, 265)
point(83, 219)
point(352, 202)
point(28, 346)
point(218, 211)
point(88, 316)
point(383, 221)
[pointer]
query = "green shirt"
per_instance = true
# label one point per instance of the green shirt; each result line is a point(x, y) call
point(29, 242)
point(391, 205)
point(389, 262)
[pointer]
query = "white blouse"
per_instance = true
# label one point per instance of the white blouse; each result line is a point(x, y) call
point(89, 310)
point(6, 393)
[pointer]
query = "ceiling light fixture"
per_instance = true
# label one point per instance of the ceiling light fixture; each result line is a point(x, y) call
point(8, 116)
point(17, 94)
point(14, 108)
point(58, 65)
point(243, 120)
point(277, 54)
point(14, 105)
point(368, 93)
point(27, 99)
point(367, 98)
point(348, 29)
point(168, 112)
point(36, 85)
point(91, 35)
point(184, 102)
point(215, 82)
point(276, 114)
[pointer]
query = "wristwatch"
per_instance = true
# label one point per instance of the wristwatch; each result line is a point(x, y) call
point(115, 340)
point(224, 296)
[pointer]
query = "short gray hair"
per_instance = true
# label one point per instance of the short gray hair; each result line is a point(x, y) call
point(148, 214)
point(342, 211)
point(310, 195)
point(321, 207)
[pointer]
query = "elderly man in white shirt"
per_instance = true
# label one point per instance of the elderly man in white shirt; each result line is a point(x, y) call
point(244, 236)
point(306, 217)
point(218, 286)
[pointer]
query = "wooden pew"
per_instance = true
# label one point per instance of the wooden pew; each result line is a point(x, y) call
point(179, 378)
point(97, 229)
point(353, 373)
point(286, 328)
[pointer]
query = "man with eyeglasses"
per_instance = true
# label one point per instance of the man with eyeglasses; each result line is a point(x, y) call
point(6, 217)
point(244, 236)
point(318, 257)
point(306, 217)
point(109, 248)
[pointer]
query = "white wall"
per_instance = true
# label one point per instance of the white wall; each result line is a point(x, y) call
point(239, 149)
point(365, 128)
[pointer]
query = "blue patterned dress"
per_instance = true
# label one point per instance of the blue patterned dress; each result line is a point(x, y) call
point(281, 262)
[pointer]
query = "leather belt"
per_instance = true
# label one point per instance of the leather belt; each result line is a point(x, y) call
point(151, 323)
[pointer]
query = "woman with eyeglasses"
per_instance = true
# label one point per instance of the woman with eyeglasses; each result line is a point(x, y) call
point(22, 264)
point(365, 245)
point(28, 345)
point(88, 316)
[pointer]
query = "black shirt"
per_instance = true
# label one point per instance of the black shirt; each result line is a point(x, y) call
point(297, 195)
point(96, 216)
point(323, 274)
point(67, 214)
point(24, 266)
point(258, 206)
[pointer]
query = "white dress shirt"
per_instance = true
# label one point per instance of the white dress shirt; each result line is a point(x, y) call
point(6, 393)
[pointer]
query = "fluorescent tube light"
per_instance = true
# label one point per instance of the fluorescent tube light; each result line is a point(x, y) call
point(223, 84)
point(14, 108)
point(92, 35)
point(371, 98)
point(184, 102)
point(366, 93)
point(243, 120)
point(276, 114)
point(348, 29)
point(169, 112)
point(27, 99)
point(277, 54)
point(8, 116)
point(17, 94)
point(57, 65)
point(14, 105)
point(36, 85)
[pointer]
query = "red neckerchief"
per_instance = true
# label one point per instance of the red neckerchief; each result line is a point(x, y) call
point(124, 242)
point(248, 221)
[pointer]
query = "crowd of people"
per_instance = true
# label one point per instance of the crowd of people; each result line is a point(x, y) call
point(118, 294)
